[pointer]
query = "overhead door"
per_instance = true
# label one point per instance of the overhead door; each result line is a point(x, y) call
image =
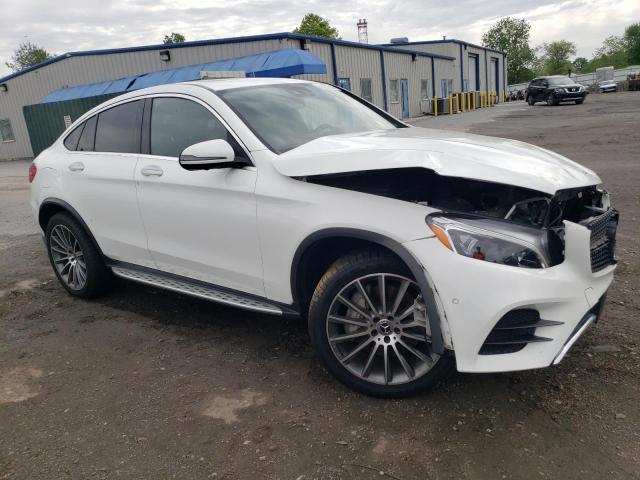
point(493, 72)
point(474, 84)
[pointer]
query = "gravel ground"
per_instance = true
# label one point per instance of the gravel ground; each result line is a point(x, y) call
point(146, 384)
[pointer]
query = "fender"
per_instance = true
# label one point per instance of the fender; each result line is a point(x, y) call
point(62, 205)
point(417, 270)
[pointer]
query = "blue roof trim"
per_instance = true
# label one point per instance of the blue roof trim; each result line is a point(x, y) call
point(452, 40)
point(280, 63)
point(220, 41)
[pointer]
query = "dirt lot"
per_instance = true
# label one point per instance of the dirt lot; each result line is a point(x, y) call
point(145, 384)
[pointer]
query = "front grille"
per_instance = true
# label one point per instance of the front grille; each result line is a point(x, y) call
point(603, 239)
point(514, 331)
point(573, 89)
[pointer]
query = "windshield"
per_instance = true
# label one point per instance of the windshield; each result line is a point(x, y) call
point(285, 116)
point(560, 81)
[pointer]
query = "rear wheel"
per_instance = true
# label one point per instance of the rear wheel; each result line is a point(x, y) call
point(368, 325)
point(75, 259)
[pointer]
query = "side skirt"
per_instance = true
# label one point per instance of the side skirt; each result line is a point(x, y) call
point(195, 288)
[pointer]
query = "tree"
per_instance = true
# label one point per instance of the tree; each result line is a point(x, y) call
point(27, 55)
point(313, 24)
point(613, 52)
point(580, 65)
point(555, 57)
point(173, 38)
point(632, 43)
point(511, 35)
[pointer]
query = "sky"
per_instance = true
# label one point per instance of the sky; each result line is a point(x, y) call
point(61, 26)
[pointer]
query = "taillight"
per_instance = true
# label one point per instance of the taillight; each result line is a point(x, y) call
point(32, 172)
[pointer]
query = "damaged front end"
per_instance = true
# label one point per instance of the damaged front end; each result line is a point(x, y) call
point(494, 222)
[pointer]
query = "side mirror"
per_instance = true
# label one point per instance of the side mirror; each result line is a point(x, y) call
point(545, 84)
point(208, 155)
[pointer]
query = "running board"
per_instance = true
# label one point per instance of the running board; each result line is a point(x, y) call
point(207, 292)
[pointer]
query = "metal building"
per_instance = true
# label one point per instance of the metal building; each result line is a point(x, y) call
point(394, 77)
point(476, 68)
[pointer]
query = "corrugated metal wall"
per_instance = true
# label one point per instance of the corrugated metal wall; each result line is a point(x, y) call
point(356, 64)
point(451, 70)
point(401, 66)
point(45, 121)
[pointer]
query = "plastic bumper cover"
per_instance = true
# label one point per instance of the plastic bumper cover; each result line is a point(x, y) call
point(474, 295)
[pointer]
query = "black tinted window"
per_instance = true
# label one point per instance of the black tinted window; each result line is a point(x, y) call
point(71, 142)
point(177, 123)
point(88, 135)
point(119, 129)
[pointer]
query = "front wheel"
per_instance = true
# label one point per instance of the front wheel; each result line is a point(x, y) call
point(530, 101)
point(551, 101)
point(579, 102)
point(369, 327)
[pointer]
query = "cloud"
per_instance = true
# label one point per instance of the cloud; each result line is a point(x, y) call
point(65, 25)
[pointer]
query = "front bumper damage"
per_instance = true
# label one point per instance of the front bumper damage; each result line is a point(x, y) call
point(474, 296)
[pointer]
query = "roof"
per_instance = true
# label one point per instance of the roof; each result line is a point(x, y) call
point(448, 40)
point(221, 41)
point(280, 63)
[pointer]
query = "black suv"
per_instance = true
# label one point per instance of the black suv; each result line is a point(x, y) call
point(555, 89)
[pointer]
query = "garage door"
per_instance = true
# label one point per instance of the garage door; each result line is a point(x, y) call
point(493, 72)
point(474, 85)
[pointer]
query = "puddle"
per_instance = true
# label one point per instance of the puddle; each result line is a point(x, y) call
point(15, 385)
point(226, 407)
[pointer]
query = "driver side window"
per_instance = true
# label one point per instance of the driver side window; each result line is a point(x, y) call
point(177, 123)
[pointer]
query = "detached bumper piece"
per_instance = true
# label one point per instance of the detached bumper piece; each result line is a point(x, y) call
point(514, 331)
point(603, 239)
point(590, 317)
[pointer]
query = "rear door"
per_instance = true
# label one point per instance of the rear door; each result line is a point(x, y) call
point(200, 224)
point(98, 180)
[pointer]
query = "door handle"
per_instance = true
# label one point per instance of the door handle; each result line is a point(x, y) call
point(76, 166)
point(151, 171)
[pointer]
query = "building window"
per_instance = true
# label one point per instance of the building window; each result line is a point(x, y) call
point(6, 132)
point(395, 96)
point(365, 89)
point(345, 83)
point(424, 89)
point(446, 85)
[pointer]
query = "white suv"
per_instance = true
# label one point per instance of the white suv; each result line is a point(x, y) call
point(407, 249)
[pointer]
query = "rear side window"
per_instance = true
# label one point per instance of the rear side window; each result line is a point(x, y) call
point(119, 128)
point(85, 144)
point(71, 142)
point(177, 123)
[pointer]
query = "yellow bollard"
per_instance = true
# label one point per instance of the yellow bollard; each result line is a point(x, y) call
point(435, 106)
point(450, 104)
point(464, 102)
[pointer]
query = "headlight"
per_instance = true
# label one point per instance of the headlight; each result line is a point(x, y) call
point(559, 90)
point(466, 236)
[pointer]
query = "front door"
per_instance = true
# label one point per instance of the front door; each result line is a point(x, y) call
point(404, 87)
point(200, 224)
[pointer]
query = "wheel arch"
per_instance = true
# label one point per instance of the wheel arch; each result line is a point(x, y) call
point(50, 206)
point(356, 237)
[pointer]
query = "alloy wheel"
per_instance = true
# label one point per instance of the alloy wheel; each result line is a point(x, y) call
point(68, 257)
point(378, 330)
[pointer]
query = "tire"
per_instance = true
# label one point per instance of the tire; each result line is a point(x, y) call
point(579, 102)
point(530, 101)
point(75, 259)
point(551, 101)
point(360, 362)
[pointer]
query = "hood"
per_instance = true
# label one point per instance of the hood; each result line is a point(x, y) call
point(447, 153)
